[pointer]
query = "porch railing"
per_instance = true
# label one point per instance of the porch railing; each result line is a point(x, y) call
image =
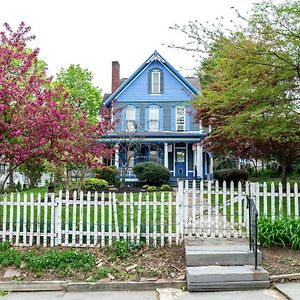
point(253, 216)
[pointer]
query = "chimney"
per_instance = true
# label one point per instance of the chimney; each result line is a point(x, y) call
point(115, 76)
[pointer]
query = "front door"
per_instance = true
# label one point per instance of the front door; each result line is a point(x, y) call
point(180, 165)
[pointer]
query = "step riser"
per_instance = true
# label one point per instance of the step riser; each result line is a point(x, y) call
point(228, 286)
point(217, 274)
point(195, 259)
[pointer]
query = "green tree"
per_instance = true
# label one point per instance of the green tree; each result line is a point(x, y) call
point(82, 94)
point(33, 170)
point(250, 83)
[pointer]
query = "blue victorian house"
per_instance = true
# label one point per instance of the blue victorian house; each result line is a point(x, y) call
point(156, 121)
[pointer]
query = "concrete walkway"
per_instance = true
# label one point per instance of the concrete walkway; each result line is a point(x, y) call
point(291, 290)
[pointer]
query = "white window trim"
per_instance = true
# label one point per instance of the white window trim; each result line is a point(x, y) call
point(184, 118)
point(134, 118)
point(159, 78)
point(149, 108)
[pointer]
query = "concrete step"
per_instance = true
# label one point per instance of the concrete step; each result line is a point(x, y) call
point(213, 278)
point(225, 256)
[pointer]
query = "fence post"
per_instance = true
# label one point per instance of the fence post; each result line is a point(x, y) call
point(57, 219)
point(180, 206)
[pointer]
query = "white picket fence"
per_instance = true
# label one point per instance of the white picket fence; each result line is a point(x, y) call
point(210, 209)
point(92, 219)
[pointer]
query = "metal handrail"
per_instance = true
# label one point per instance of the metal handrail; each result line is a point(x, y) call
point(253, 216)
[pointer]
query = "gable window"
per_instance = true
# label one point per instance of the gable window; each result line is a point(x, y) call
point(180, 118)
point(154, 118)
point(130, 118)
point(155, 81)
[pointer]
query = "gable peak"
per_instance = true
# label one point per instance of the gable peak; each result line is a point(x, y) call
point(155, 57)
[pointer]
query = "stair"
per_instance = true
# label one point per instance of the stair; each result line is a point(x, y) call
point(215, 264)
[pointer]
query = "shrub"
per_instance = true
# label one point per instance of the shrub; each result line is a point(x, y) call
point(94, 184)
point(107, 173)
point(151, 173)
point(9, 256)
point(284, 232)
point(229, 175)
point(122, 249)
point(165, 187)
point(151, 188)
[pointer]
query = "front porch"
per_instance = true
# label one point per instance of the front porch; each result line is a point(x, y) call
point(184, 160)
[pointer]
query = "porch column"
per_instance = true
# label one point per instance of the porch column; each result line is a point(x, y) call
point(199, 160)
point(117, 157)
point(166, 162)
point(211, 165)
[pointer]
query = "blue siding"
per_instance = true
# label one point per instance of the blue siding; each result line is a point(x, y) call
point(173, 113)
point(123, 116)
point(161, 119)
point(187, 119)
point(174, 90)
point(146, 119)
point(137, 117)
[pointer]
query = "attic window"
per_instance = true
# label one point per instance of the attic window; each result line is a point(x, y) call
point(155, 81)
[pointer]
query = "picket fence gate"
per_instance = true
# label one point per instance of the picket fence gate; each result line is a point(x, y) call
point(158, 219)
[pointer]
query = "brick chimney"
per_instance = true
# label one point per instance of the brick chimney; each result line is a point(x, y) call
point(115, 76)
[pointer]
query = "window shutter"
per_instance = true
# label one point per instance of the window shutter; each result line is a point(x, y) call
point(123, 118)
point(161, 119)
point(173, 120)
point(146, 119)
point(161, 82)
point(137, 118)
point(122, 157)
point(149, 82)
point(187, 119)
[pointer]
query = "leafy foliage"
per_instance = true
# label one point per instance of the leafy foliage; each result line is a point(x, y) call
point(285, 232)
point(82, 94)
point(165, 187)
point(151, 173)
point(94, 184)
point(60, 260)
point(9, 256)
point(123, 249)
point(36, 120)
point(152, 188)
point(229, 175)
point(107, 173)
point(250, 83)
point(33, 170)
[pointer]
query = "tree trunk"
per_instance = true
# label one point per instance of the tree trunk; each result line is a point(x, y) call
point(284, 176)
point(11, 177)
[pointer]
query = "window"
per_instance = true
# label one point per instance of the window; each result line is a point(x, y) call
point(2, 168)
point(153, 153)
point(154, 118)
point(130, 118)
point(130, 158)
point(155, 81)
point(180, 118)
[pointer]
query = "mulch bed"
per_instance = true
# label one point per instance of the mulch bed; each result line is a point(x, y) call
point(145, 265)
point(281, 260)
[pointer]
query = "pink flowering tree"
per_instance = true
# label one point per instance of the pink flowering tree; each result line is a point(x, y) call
point(35, 121)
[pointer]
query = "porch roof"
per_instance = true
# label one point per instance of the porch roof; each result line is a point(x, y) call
point(144, 137)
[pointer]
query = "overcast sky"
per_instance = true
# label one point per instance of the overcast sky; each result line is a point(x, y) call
point(93, 33)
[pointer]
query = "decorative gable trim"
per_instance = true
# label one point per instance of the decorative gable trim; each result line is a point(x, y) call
point(155, 56)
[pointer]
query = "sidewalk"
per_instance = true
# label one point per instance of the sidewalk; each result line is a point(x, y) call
point(285, 291)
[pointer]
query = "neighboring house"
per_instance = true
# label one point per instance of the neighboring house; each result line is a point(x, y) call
point(156, 120)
